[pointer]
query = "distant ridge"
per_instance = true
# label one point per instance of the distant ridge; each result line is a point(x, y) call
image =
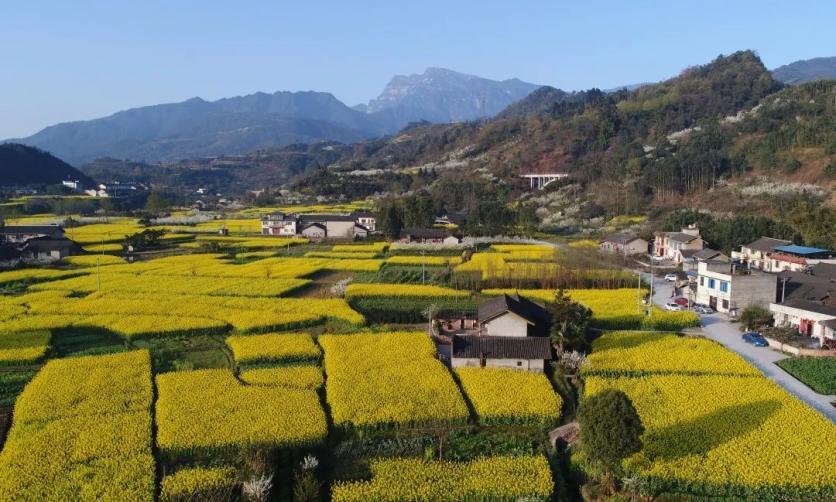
point(25, 165)
point(440, 95)
point(806, 70)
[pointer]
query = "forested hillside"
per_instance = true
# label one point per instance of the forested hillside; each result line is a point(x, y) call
point(724, 137)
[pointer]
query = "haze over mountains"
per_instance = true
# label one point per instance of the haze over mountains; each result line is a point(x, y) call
point(237, 125)
point(199, 128)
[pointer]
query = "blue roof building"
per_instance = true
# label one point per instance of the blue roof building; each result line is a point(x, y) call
point(803, 251)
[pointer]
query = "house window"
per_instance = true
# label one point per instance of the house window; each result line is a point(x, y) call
point(702, 281)
point(725, 305)
point(724, 286)
point(711, 284)
point(519, 363)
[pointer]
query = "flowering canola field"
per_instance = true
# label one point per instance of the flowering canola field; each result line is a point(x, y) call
point(385, 379)
point(487, 478)
point(82, 431)
point(277, 347)
point(357, 290)
point(209, 411)
point(713, 428)
point(508, 396)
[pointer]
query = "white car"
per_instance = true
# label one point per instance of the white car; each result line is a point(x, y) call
point(673, 307)
point(671, 278)
point(657, 258)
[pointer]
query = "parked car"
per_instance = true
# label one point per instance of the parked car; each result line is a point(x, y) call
point(673, 307)
point(657, 258)
point(755, 339)
point(683, 302)
point(671, 278)
point(703, 309)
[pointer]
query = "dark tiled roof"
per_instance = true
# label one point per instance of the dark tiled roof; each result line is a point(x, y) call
point(326, 217)
point(766, 244)
point(707, 254)
point(681, 237)
point(47, 244)
point(30, 229)
point(805, 287)
point(317, 225)
point(517, 304)
point(819, 308)
point(425, 233)
point(622, 239)
point(824, 270)
point(501, 347)
point(9, 252)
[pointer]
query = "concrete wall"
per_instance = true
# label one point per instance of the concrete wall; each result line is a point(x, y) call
point(508, 324)
point(537, 365)
point(340, 229)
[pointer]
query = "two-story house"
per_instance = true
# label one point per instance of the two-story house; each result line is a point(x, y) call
point(513, 332)
point(670, 245)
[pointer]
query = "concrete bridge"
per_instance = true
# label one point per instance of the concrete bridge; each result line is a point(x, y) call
point(541, 180)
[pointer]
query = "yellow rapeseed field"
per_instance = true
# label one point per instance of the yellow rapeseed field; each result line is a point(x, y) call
point(93, 260)
point(26, 347)
point(209, 411)
point(487, 478)
point(82, 431)
point(713, 428)
point(616, 354)
point(357, 290)
point(275, 347)
point(435, 261)
point(508, 396)
point(198, 483)
point(301, 376)
point(338, 255)
point(382, 379)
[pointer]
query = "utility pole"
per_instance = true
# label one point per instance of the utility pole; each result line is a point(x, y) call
point(639, 293)
point(784, 289)
point(423, 265)
point(650, 302)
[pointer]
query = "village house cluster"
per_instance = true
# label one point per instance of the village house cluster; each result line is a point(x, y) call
point(796, 283)
point(34, 244)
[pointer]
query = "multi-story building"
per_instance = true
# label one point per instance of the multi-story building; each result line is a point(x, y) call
point(730, 288)
point(670, 245)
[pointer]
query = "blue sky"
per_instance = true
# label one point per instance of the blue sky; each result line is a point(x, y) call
point(77, 60)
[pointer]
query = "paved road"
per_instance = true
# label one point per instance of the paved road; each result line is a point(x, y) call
point(718, 328)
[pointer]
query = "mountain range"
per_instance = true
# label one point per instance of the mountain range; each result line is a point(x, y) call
point(231, 126)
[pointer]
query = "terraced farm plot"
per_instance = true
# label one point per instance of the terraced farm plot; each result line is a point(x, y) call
point(210, 412)
point(388, 379)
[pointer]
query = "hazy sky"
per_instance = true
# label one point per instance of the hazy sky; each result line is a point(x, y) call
point(72, 60)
